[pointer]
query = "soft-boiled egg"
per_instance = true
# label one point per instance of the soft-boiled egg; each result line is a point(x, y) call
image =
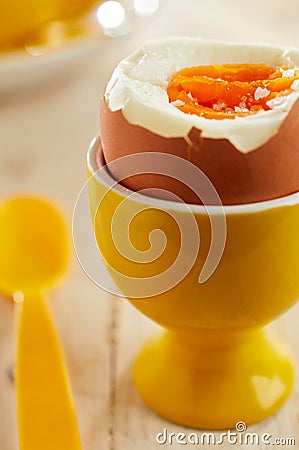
point(231, 109)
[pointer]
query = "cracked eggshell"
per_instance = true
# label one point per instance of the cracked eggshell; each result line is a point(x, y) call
point(269, 172)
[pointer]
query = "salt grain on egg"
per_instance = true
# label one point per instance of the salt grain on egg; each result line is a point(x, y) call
point(178, 103)
point(219, 106)
point(243, 106)
point(229, 110)
point(261, 93)
point(289, 73)
point(240, 109)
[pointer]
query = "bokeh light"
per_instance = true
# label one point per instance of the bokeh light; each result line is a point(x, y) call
point(146, 7)
point(111, 14)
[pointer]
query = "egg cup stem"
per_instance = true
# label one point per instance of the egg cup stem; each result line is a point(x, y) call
point(212, 379)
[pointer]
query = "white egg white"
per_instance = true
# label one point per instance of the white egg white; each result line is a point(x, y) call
point(138, 88)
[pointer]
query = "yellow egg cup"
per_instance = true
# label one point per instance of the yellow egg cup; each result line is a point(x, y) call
point(216, 364)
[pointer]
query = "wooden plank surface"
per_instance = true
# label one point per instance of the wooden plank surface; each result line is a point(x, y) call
point(44, 134)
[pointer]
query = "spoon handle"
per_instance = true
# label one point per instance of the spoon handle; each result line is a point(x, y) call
point(46, 412)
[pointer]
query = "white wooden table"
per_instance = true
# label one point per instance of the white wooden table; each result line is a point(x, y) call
point(44, 134)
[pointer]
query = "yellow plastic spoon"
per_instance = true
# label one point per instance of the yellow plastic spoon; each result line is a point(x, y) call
point(33, 257)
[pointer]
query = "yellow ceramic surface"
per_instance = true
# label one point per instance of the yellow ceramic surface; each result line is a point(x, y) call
point(34, 256)
point(215, 365)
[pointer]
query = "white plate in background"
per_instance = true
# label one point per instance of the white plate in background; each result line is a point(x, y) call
point(37, 63)
point(63, 44)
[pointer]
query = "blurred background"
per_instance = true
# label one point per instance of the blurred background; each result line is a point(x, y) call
point(55, 58)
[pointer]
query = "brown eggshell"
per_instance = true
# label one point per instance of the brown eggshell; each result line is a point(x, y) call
point(268, 172)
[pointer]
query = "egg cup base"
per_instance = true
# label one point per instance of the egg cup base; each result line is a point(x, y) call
point(208, 385)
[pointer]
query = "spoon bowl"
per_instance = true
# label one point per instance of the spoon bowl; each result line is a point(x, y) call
point(34, 245)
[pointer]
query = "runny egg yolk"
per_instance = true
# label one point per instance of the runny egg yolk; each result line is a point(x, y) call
point(230, 90)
